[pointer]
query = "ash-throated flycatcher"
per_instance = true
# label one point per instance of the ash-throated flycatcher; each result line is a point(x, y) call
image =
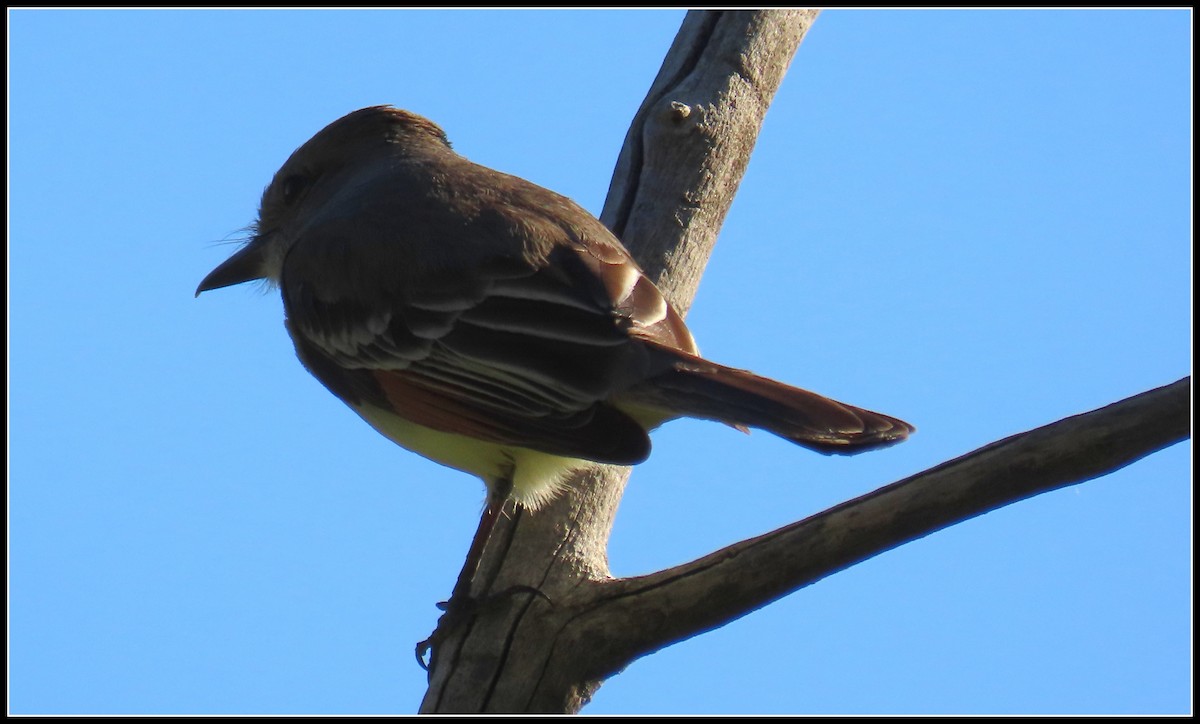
point(489, 324)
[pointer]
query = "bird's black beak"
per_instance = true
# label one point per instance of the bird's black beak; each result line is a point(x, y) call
point(244, 266)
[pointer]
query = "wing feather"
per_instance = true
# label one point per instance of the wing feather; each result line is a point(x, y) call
point(523, 347)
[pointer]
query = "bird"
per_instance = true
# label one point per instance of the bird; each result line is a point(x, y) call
point(490, 324)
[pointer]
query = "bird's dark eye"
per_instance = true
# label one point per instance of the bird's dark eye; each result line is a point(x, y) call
point(294, 187)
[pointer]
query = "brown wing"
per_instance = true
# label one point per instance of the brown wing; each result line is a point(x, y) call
point(516, 325)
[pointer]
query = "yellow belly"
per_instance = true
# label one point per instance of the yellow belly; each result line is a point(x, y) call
point(536, 476)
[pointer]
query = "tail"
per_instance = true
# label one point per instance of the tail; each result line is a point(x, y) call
point(695, 387)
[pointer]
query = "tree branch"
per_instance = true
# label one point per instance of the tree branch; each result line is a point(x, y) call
point(637, 616)
point(682, 161)
point(677, 173)
point(688, 145)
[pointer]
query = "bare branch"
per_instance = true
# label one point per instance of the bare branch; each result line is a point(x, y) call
point(636, 616)
point(682, 161)
point(689, 143)
point(680, 166)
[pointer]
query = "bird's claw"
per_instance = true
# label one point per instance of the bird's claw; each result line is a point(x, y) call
point(464, 608)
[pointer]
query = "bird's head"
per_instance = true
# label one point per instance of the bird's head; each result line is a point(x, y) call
point(336, 162)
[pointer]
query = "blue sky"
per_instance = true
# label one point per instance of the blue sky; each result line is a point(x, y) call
point(977, 221)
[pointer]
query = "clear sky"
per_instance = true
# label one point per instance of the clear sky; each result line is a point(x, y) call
point(977, 221)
